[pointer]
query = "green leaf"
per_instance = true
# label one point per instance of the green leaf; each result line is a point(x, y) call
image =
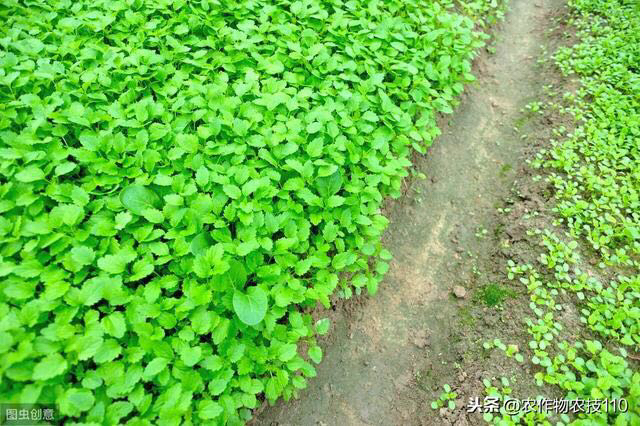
point(118, 410)
point(201, 321)
point(115, 263)
point(322, 326)
point(335, 201)
point(217, 386)
point(93, 290)
point(64, 168)
point(314, 149)
point(50, 366)
point(314, 127)
point(77, 114)
point(370, 116)
point(201, 243)
point(232, 191)
point(202, 176)
point(30, 174)
point(155, 367)
point(315, 353)
point(80, 399)
point(107, 352)
point(80, 196)
point(274, 66)
point(153, 215)
point(191, 355)
point(122, 219)
point(141, 269)
point(329, 185)
point(287, 352)
point(83, 255)
point(208, 409)
point(251, 307)
point(157, 131)
point(247, 247)
point(188, 142)
point(237, 273)
point(137, 199)
point(212, 363)
point(114, 325)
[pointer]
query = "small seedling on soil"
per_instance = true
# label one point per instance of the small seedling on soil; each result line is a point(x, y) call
point(481, 232)
point(446, 398)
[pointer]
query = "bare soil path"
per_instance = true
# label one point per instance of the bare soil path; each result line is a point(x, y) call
point(377, 345)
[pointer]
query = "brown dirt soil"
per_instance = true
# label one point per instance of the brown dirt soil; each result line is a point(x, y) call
point(386, 356)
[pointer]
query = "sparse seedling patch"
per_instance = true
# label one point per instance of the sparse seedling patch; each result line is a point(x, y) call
point(588, 254)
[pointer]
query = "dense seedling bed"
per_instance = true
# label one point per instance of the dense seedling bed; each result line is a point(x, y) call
point(182, 182)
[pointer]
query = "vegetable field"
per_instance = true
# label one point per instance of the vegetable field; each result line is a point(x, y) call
point(571, 257)
point(183, 183)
